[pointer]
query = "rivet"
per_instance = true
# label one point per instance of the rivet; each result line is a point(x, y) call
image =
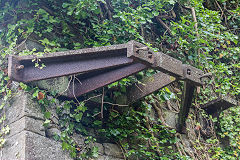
point(19, 67)
point(189, 71)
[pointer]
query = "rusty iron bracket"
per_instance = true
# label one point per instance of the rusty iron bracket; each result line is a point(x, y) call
point(216, 106)
point(94, 68)
point(94, 59)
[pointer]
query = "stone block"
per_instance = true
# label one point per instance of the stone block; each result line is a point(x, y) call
point(28, 124)
point(171, 118)
point(112, 150)
point(100, 148)
point(22, 105)
point(51, 132)
point(79, 139)
point(30, 146)
point(14, 148)
point(58, 85)
point(108, 158)
point(30, 44)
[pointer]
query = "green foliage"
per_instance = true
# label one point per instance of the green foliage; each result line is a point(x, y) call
point(212, 46)
point(132, 126)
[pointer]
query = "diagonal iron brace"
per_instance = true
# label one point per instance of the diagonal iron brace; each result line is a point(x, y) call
point(94, 80)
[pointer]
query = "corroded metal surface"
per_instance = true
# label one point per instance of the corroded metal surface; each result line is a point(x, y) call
point(65, 65)
point(168, 64)
point(148, 86)
point(192, 74)
point(94, 68)
point(141, 53)
point(216, 106)
point(186, 103)
point(100, 66)
point(91, 81)
point(98, 58)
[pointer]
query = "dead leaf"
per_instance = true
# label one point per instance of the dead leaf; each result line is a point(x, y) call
point(221, 55)
point(198, 127)
point(40, 96)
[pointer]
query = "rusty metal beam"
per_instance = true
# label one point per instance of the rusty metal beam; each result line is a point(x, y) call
point(186, 103)
point(148, 85)
point(164, 63)
point(91, 59)
point(168, 65)
point(216, 106)
point(140, 52)
point(192, 74)
point(68, 62)
point(91, 81)
point(156, 60)
point(100, 66)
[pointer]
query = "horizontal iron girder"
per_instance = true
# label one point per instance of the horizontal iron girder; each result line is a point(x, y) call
point(21, 68)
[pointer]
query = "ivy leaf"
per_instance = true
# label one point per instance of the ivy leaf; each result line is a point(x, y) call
point(171, 1)
point(95, 152)
point(78, 116)
point(65, 145)
point(155, 13)
point(97, 123)
point(46, 123)
point(40, 96)
point(47, 115)
point(65, 5)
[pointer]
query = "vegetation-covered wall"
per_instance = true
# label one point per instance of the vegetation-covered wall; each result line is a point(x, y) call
point(202, 33)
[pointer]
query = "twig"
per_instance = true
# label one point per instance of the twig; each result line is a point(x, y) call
point(138, 87)
point(78, 79)
point(164, 25)
point(74, 90)
point(102, 103)
point(108, 11)
point(120, 105)
point(142, 31)
point(159, 113)
point(122, 149)
point(91, 98)
point(169, 105)
point(219, 8)
point(96, 114)
point(195, 26)
point(150, 130)
point(194, 18)
point(66, 88)
point(101, 13)
point(178, 148)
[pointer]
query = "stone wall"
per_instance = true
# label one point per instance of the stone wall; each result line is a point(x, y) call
point(29, 140)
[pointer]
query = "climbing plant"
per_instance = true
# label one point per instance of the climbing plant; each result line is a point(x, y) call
point(201, 33)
